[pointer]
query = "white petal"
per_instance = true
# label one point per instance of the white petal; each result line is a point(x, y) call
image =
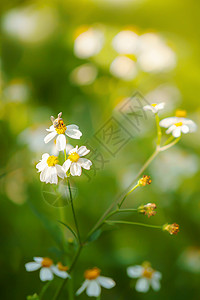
point(66, 165)
point(61, 142)
point(185, 129)
point(42, 165)
point(51, 128)
point(84, 163)
point(32, 266)
point(169, 121)
point(53, 178)
point(135, 272)
point(82, 151)
point(57, 272)
point(38, 259)
point(192, 125)
point(93, 289)
point(170, 129)
point(44, 174)
point(46, 274)
point(50, 136)
point(83, 287)
point(73, 150)
point(160, 106)
point(75, 169)
point(73, 133)
point(142, 285)
point(60, 171)
point(177, 132)
point(106, 282)
point(157, 275)
point(72, 126)
point(45, 156)
point(155, 284)
point(68, 148)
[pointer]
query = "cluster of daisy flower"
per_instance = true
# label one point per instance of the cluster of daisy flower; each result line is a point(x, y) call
point(49, 166)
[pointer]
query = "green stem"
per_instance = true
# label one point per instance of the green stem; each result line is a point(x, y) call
point(73, 211)
point(171, 144)
point(45, 287)
point(134, 223)
point(65, 153)
point(171, 138)
point(122, 201)
point(159, 132)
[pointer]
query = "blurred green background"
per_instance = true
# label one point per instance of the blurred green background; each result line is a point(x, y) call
point(60, 56)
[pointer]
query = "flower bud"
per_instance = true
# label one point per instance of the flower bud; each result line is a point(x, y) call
point(171, 228)
point(144, 180)
point(148, 209)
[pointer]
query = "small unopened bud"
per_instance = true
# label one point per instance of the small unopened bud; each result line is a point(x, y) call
point(171, 228)
point(148, 209)
point(144, 180)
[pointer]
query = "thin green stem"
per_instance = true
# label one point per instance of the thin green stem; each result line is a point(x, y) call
point(45, 287)
point(171, 138)
point(134, 223)
point(73, 211)
point(159, 132)
point(134, 188)
point(65, 153)
point(171, 144)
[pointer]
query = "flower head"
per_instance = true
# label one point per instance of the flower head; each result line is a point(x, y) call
point(154, 107)
point(171, 228)
point(147, 277)
point(60, 130)
point(144, 180)
point(49, 168)
point(148, 209)
point(93, 282)
point(75, 161)
point(47, 268)
point(178, 124)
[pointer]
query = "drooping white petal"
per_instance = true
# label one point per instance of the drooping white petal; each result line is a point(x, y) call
point(68, 148)
point(50, 136)
point(84, 163)
point(148, 107)
point(106, 282)
point(38, 259)
point(51, 128)
point(169, 121)
point(46, 274)
point(75, 169)
point(135, 272)
point(44, 174)
point(82, 151)
point(142, 285)
point(53, 178)
point(155, 283)
point(170, 129)
point(157, 275)
point(177, 132)
point(73, 133)
point(61, 142)
point(83, 287)
point(93, 289)
point(192, 125)
point(57, 272)
point(66, 165)
point(60, 171)
point(32, 266)
point(185, 129)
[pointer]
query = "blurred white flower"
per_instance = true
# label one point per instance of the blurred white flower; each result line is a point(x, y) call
point(59, 129)
point(124, 68)
point(47, 268)
point(179, 124)
point(75, 161)
point(147, 277)
point(89, 43)
point(125, 42)
point(50, 170)
point(93, 283)
point(154, 107)
point(16, 91)
point(30, 24)
point(84, 74)
point(154, 55)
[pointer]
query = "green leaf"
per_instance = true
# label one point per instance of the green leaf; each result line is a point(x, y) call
point(33, 297)
point(70, 229)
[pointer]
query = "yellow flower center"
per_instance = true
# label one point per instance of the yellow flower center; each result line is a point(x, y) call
point(47, 262)
point(74, 157)
point(92, 273)
point(52, 161)
point(148, 273)
point(178, 124)
point(181, 113)
point(154, 104)
point(61, 267)
point(61, 128)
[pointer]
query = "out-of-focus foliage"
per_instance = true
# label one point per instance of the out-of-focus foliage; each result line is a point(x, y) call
point(68, 56)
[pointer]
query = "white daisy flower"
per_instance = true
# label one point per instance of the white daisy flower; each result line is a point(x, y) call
point(49, 169)
point(147, 277)
point(93, 282)
point(75, 161)
point(178, 124)
point(59, 129)
point(47, 268)
point(154, 107)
